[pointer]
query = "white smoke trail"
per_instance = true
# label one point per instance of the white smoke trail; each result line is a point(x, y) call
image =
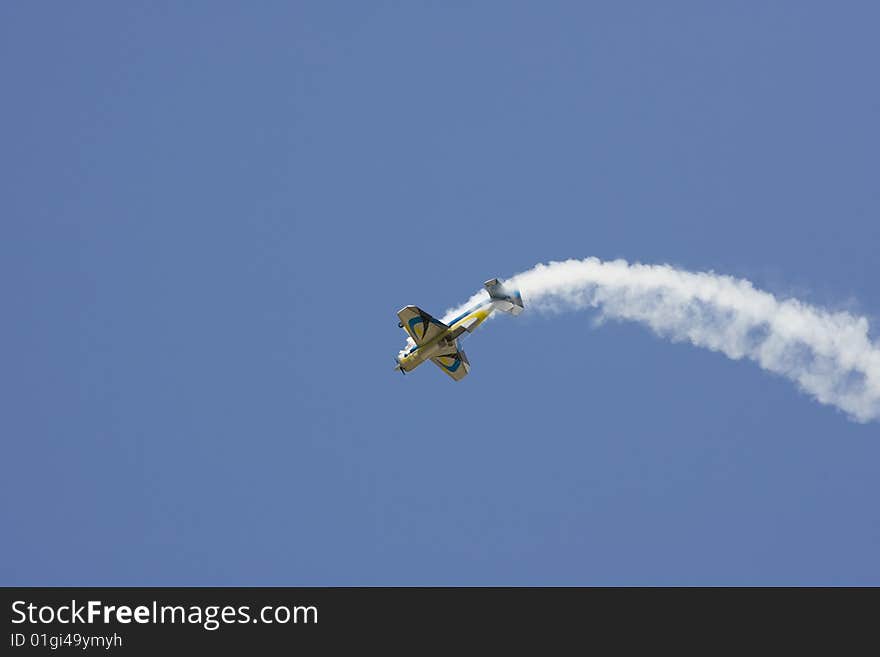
point(828, 354)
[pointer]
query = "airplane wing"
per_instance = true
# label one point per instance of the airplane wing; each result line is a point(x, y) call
point(454, 363)
point(419, 324)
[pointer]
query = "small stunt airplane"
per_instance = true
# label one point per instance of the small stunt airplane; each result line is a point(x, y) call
point(437, 342)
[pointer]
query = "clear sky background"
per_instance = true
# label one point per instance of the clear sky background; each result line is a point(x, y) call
point(211, 212)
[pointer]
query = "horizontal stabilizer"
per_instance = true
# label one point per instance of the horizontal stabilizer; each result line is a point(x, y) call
point(510, 301)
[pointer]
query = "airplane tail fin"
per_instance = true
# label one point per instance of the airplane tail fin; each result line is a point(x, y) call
point(510, 301)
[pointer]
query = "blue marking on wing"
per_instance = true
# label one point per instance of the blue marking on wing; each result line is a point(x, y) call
point(454, 366)
point(417, 320)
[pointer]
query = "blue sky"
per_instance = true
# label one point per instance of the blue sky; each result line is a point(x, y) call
point(211, 213)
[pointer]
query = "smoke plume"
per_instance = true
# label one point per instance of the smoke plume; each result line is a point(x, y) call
point(829, 355)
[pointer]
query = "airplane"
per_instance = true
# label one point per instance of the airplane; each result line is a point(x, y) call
point(437, 342)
